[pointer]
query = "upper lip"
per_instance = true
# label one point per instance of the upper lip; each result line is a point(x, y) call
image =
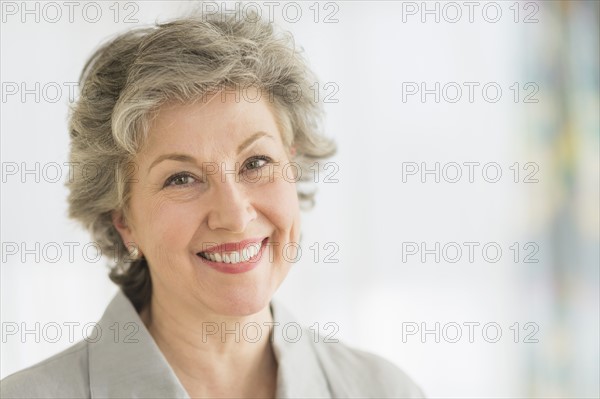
point(233, 246)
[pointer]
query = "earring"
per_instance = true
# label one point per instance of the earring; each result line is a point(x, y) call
point(134, 252)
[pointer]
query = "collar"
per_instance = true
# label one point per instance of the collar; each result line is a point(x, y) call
point(124, 360)
point(299, 372)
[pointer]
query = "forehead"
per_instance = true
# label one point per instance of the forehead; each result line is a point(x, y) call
point(219, 122)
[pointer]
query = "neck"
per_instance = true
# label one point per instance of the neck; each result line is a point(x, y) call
point(215, 355)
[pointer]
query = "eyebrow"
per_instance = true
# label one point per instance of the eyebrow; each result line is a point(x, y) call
point(190, 159)
point(251, 140)
point(175, 157)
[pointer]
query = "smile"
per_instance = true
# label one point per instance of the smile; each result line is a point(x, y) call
point(241, 255)
point(244, 255)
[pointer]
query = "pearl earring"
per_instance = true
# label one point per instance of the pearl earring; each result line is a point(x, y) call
point(134, 252)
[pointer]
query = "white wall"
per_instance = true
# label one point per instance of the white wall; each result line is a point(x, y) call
point(369, 213)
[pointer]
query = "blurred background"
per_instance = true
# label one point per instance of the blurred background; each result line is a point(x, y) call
point(456, 232)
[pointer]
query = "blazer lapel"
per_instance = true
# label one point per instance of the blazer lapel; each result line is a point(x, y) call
point(124, 360)
point(299, 372)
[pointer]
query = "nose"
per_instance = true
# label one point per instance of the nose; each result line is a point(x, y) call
point(231, 208)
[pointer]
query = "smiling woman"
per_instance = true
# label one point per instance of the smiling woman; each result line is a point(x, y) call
point(204, 117)
point(176, 208)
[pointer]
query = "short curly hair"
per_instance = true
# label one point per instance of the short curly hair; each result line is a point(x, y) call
point(128, 79)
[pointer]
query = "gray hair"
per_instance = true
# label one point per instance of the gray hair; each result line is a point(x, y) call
point(126, 80)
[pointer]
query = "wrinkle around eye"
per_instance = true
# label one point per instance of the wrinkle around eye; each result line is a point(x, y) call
point(186, 180)
point(259, 158)
point(181, 193)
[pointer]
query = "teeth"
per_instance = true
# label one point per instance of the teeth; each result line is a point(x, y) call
point(253, 250)
point(235, 257)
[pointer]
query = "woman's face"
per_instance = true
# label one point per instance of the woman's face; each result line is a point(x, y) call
point(210, 173)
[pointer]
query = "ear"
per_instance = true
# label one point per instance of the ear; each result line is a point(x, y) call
point(118, 219)
point(293, 151)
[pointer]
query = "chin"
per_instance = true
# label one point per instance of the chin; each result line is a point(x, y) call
point(241, 305)
point(239, 295)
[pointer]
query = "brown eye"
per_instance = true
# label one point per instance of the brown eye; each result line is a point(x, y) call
point(257, 162)
point(180, 179)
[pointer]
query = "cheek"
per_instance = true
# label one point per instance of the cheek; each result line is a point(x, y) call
point(167, 225)
point(282, 208)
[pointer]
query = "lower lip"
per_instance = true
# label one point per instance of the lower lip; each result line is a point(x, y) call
point(237, 268)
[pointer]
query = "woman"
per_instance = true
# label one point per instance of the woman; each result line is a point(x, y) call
point(191, 128)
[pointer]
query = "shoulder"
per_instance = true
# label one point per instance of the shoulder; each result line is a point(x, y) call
point(356, 373)
point(344, 371)
point(62, 375)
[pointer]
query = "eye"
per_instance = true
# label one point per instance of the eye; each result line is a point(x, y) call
point(180, 179)
point(256, 162)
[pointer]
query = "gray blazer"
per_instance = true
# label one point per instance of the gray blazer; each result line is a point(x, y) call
point(133, 366)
